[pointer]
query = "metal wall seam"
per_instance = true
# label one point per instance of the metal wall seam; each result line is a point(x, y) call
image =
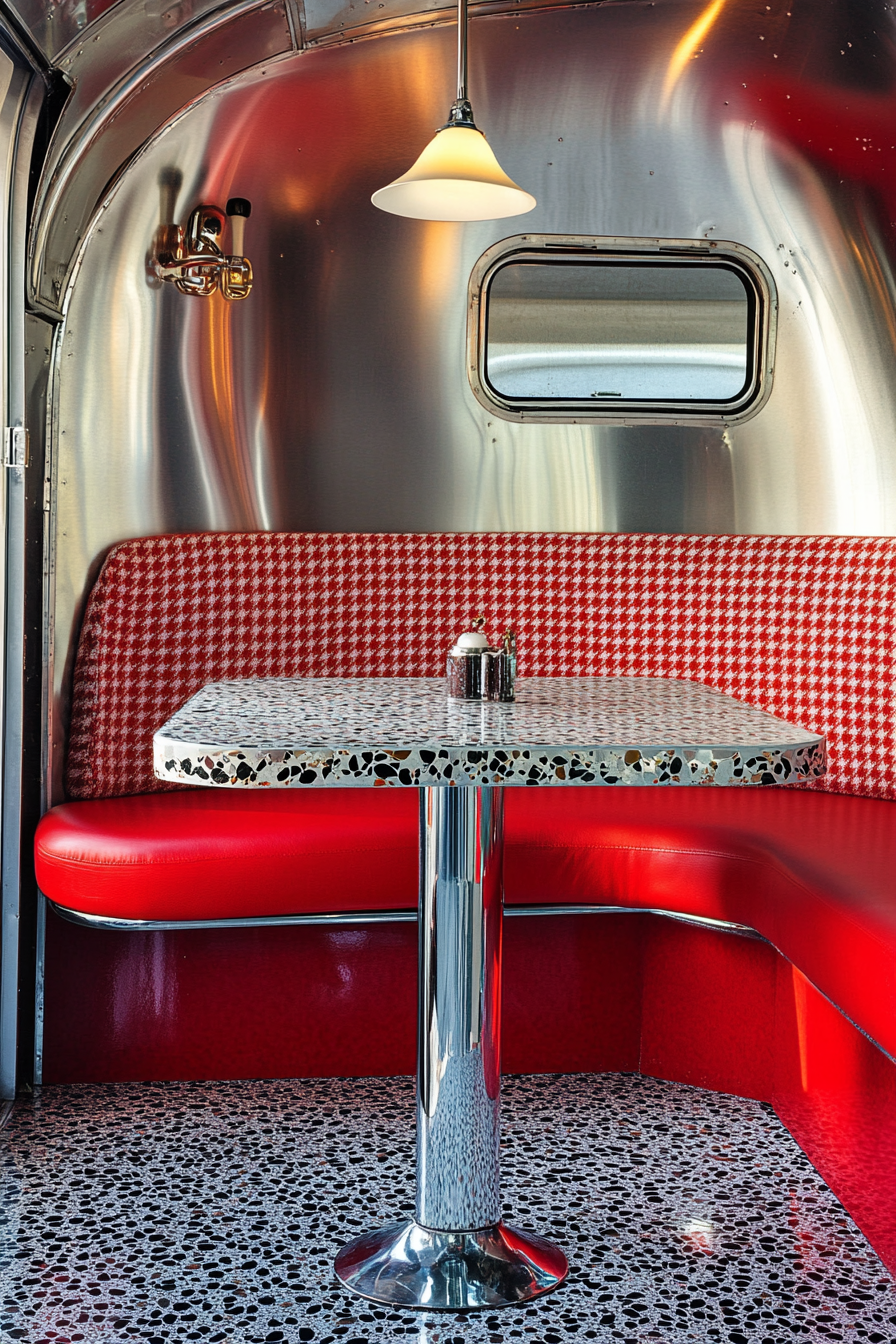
point(20, 111)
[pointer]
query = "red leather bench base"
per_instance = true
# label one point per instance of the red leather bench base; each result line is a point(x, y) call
point(812, 872)
point(815, 873)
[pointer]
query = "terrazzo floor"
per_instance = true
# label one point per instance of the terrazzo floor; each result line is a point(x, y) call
point(212, 1212)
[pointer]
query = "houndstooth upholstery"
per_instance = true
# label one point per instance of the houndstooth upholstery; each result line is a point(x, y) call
point(800, 626)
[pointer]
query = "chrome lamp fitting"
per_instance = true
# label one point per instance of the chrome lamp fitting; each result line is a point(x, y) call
point(192, 258)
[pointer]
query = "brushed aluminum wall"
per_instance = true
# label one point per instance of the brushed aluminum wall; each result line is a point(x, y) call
point(335, 397)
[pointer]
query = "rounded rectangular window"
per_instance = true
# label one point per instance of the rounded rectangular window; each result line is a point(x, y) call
point(677, 331)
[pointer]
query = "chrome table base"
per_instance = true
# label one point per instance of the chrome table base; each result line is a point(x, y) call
point(457, 1254)
point(407, 1265)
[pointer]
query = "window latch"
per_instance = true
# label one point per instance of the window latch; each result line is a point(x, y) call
point(16, 447)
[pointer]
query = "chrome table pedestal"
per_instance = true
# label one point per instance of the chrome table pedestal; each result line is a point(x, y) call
point(456, 1254)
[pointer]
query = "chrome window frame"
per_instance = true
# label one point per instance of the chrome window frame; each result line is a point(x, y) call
point(639, 251)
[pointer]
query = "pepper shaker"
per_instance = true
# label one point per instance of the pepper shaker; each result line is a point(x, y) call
point(502, 670)
point(467, 661)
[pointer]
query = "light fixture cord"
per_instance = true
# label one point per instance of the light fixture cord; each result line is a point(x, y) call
point(461, 51)
point(461, 113)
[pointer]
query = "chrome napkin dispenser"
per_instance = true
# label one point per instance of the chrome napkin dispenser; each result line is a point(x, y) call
point(478, 672)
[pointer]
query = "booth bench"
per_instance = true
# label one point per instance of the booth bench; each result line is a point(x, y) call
point(799, 626)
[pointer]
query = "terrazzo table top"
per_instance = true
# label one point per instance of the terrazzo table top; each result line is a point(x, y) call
point(283, 732)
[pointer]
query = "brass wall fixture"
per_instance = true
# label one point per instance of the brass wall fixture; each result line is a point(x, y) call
point(193, 259)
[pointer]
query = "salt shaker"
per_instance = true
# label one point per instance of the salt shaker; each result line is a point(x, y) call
point(466, 663)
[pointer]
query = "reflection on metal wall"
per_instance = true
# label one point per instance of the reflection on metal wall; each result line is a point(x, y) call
point(335, 396)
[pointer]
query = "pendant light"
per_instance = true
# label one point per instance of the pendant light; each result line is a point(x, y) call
point(457, 177)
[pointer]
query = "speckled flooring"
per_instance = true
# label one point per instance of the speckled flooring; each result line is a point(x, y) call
point(212, 1211)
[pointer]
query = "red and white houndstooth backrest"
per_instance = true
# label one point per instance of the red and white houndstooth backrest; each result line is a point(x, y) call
point(800, 626)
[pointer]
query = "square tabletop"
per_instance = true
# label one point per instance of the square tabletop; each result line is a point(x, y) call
point(287, 732)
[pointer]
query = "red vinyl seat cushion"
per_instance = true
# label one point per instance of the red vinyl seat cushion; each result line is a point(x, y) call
point(211, 854)
point(814, 873)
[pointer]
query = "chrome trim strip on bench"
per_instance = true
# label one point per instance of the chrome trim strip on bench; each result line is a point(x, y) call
point(377, 917)
point(702, 921)
point(249, 922)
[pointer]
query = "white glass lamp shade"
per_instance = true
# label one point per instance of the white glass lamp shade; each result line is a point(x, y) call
point(457, 178)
